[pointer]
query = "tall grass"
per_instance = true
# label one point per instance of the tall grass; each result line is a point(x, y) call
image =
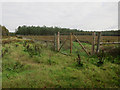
point(52, 69)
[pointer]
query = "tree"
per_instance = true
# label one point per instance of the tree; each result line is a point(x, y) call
point(4, 30)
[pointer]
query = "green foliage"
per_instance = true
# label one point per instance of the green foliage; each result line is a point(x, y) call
point(55, 70)
point(4, 51)
point(4, 30)
point(14, 66)
point(103, 57)
point(32, 49)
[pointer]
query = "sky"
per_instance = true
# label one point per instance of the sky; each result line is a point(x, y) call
point(92, 16)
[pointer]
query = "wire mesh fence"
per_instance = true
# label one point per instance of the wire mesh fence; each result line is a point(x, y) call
point(63, 42)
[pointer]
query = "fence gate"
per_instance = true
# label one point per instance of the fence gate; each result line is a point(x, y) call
point(64, 41)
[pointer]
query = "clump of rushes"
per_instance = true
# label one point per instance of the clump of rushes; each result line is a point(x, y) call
point(37, 49)
point(50, 61)
point(24, 44)
point(28, 47)
point(16, 45)
point(32, 49)
point(78, 59)
point(101, 56)
point(4, 51)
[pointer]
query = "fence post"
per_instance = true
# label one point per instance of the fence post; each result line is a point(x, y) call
point(55, 41)
point(93, 43)
point(98, 42)
point(70, 42)
point(58, 41)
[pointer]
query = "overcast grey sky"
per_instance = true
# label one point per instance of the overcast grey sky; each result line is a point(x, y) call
point(78, 15)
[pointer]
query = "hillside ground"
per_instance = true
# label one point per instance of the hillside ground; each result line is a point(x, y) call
point(28, 64)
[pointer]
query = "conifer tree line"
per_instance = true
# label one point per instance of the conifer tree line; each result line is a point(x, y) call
point(37, 30)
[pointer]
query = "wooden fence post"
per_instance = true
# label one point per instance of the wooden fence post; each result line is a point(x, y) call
point(93, 43)
point(98, 42)
point(58, 41)
point(55, 41)
point(70, 42)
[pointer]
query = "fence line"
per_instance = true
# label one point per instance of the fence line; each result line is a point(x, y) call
point(69, 36)
point(63, 43)
point(101, 43)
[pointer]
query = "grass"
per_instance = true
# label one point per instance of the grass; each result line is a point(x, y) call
point(52, 69)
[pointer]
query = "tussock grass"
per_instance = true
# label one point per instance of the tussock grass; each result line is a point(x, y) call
point(52, 69)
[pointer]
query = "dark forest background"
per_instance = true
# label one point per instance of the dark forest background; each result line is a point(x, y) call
point(37, 30)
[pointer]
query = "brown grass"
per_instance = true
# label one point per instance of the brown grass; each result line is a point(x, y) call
point(82, 38)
